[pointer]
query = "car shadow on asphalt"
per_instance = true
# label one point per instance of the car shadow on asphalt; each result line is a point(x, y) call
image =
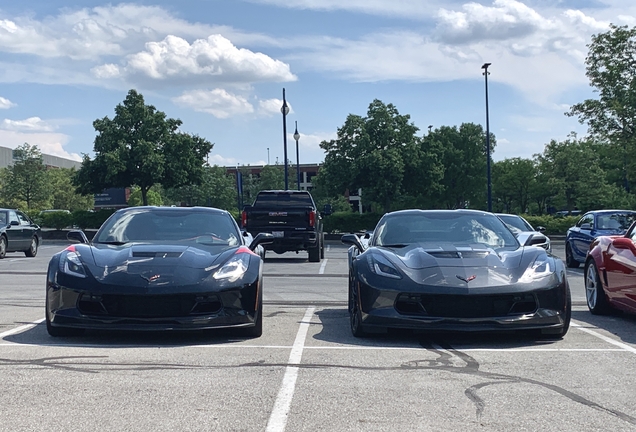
point(336, 329)
point(620, 324)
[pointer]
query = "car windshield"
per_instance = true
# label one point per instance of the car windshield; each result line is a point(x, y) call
point(516, 222)
point(444, 227)
point(152, 225)
point(615, 221)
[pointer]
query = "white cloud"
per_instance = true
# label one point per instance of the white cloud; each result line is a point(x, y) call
point(271, 107)
point(217, 159)
point(48, 143)
point(217, 102)
point(32, 124)
point(5, 103)
point(214, 59)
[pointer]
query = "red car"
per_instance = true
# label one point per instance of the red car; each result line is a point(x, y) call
point(610, 273)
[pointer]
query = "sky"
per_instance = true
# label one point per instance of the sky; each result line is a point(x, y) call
point(221, 66)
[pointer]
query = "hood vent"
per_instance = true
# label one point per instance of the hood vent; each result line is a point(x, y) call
point(149, 254)
point(459, 254)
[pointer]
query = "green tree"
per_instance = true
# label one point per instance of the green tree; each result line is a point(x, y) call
point(371, 153)
point(62, 193)
point(153, 197)
point(26, 179)
point(462, 152)
point(273, 177)
point(141, 147)
point(611, 68)
point(217, 189)
point(513, 181)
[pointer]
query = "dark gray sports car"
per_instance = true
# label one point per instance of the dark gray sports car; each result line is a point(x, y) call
point(456, 270)
point(158, 268)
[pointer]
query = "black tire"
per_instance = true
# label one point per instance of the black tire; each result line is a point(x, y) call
point(314, 252)
point(560, 333)
point(569, 258)
point(62, 331)
point(355, 316)
point(33, 249)
point(595, 295)
point(257, 330)
point(3, 247)
point(322, 246)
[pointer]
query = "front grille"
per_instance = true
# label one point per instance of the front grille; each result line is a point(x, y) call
point(148, 306)
point(465, 306)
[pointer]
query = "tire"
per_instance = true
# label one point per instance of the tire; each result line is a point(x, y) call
point(61, 331)
point(355, 316)
point(314, 252)
point(322, 246)
point(257, 330)
point(560, 333)
point(33, 249)
point(595, 295)
point(3, 247)
point(569, 258)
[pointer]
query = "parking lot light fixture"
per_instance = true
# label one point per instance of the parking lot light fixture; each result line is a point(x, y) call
point(297, 137)
point(285, 110)
point(486, 73)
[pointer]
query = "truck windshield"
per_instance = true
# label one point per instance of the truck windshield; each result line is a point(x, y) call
point(283, 199)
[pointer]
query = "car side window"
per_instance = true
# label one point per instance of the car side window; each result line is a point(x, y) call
point(24, 220)
point(587, 219)
point(13, 217)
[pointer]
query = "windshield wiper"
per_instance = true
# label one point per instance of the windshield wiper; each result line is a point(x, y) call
point(114, 243)
point(397, 245)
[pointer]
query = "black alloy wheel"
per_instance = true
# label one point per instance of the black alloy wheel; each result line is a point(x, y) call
point(595, 295)
point(560, 333)
point(569, 257)
point(314, 252)
point(33, 248)
point(322, 246)
point(355, 316)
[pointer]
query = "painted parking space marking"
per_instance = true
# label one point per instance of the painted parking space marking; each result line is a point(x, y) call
point(20, 329)
point(278, 418)
point(322, 266)
point(609, 340)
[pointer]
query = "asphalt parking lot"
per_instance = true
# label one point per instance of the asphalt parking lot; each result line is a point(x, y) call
point(307, 372)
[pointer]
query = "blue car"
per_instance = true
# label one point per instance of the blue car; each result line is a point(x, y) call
point(594, 224)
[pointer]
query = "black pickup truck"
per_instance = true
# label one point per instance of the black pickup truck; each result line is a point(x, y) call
point(291, 217)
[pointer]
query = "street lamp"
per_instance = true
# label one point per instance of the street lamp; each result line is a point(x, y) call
point(285, 110)
point(297, 137)
point(486, 73)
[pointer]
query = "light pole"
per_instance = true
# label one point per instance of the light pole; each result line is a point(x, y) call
point(297, 137)
point(285, 110)
point(486, 73)
point(267, 155)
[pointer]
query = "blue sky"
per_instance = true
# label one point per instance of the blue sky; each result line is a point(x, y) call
point(220, 66)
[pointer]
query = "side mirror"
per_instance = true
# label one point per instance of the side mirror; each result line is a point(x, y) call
point(540, 229)
point(77, 236)
point(261, 238)
point(353, 240)
point(624, 243)
point(14, 223)
point(586, 226)
point(536, 239)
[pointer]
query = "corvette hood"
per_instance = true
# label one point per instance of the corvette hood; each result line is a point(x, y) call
point(449, 255)
point(155, 256)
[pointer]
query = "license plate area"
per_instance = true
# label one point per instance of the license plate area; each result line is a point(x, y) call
point(278, 234)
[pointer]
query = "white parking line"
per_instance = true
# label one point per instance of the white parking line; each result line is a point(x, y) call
point(278, 418)
point(328, 248)
point(20, 329)
point(625, 347)
point(322, 266)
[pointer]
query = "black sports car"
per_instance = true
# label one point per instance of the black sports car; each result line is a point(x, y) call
point(456, 270)
point(158, 268)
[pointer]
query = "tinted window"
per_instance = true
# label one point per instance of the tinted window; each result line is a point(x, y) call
point(13, 216)
point(169, 226)
point(444, 227)
point(516, 222)
point(4, 220)
point(283, 199)
point(587, 219)
point(614, 221)
point(24, 220)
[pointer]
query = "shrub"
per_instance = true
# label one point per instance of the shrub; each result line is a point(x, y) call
point(56, 219)
point(91, 220)
point(553, 225)
point(348, 222)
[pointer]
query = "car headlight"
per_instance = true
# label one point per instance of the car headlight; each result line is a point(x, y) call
point(71, 263)
point(235, 267)
point(542, 267)
point(382, 266)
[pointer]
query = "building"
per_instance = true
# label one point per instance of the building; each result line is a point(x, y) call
point(6, 159)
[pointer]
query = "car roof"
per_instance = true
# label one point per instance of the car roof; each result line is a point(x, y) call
point(175, 209)
point(438, 211)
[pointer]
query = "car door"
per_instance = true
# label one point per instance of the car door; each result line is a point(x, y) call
point(620, 267)
point(581, 236)
point(15, 233)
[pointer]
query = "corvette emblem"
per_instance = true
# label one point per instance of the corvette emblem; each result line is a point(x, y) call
point(468, 279)
point(151, 278)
